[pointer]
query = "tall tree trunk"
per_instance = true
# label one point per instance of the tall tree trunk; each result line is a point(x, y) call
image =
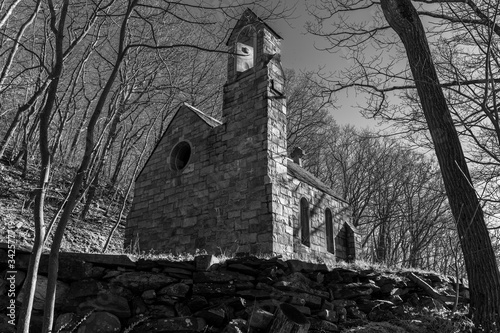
point(9, 12)
point(48, 319)
point(15, 47)
point(36, 253)
point(480, 262)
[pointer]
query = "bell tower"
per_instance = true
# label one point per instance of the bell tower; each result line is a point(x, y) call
point(254, 117)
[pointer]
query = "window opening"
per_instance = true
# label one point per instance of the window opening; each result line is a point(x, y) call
point(245, 49)
point(330, 247)
point(304, 222)
point(180, 156)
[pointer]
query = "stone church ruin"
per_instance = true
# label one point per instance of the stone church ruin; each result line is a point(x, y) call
point(229, 185)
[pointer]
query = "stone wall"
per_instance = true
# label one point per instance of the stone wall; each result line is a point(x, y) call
point(105, 293)
point(172, 208)
point(318, 203)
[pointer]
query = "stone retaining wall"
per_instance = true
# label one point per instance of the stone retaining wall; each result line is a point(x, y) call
point(105, 293)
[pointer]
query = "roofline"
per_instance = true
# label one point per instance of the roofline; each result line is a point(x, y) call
point(201, 114)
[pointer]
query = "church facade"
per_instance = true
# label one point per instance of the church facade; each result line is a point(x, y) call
point(229, 185)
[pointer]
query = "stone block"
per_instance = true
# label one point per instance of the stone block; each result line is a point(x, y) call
point(100, 322)
point(41, 291)
point(114, 304)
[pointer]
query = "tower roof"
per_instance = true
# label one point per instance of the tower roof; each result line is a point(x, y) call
point(249, 17)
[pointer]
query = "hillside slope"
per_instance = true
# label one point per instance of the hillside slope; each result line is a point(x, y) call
point(89, 235)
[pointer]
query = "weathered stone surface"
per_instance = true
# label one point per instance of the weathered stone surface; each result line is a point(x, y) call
point(65, 322)
point(236, 326)
point(41, 290)
point(314, 302)
point(161, 311)
point(322, 325)
point(188, 266)
point(303, 309)
point(318, 277)
point(163, 299)
point(100, 322)
point(107, 302)
point(213, 289)
point(149, 294)
point(329, 315)
point(396, 299)
point(380, 315)
point(259, 318)
point(217, 316)
point(138, 307)
point(142, 281)
point(111, 274)
point(255, 294)
point(348, 275)
point(176, 290)
point(182, 310)
point(299, 283)
point(245, 285)
point(353, 290)
point(197, 302)
point(87, 287)
point(354, 313)
point(244, 269)
point(220, 277)
point(178, 324)
point(178, 272)
point(343, 303)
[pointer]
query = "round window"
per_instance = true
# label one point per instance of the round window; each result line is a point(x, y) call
point(180, 155)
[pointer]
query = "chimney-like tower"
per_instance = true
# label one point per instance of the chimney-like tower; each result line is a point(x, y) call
point(297, 155)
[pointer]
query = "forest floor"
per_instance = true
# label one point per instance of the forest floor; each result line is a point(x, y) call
point(88, 235)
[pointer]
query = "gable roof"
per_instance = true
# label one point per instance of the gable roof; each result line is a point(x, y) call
point(305, 176)
point(246, 18)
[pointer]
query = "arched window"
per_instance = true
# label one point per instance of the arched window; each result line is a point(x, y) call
point(330, 246)
point(246, 48)
point(304, 222)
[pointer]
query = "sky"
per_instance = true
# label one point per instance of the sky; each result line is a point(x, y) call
point(298, 51)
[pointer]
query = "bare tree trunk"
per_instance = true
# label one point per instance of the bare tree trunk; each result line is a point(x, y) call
point(10, 132)
point(15, 47)
point(36, 253)
point(78, 181)
point(9, 12)
point(480, 262)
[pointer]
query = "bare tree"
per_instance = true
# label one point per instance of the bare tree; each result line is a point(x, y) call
point(402, 17)
point(93, 85)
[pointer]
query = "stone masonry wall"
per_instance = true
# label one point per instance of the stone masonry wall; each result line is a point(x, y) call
point(289, 233)
point(106, 293)
point(170, 209)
